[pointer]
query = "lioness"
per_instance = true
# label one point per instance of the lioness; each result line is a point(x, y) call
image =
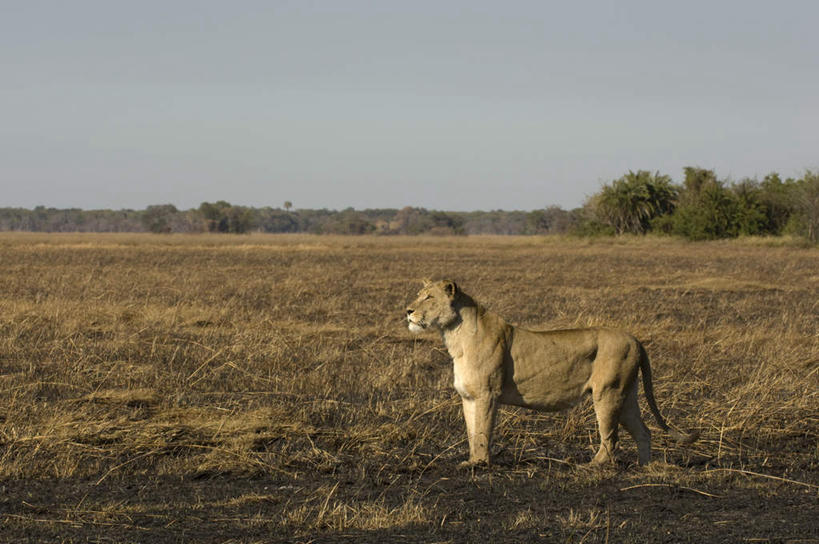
point(498, 363)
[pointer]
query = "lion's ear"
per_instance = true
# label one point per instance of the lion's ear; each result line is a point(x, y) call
point(451, 289)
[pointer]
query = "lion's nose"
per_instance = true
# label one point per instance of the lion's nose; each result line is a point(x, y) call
point(409, 311)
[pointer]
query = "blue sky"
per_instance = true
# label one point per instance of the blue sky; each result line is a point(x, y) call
point(446, 105)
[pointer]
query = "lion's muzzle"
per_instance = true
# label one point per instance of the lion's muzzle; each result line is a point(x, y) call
point(415, 325)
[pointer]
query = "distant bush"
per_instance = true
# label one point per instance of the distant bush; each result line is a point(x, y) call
point(703, 207)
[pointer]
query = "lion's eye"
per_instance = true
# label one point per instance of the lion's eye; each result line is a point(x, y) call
point(427, 297)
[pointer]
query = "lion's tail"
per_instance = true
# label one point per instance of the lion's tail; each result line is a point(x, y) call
point(648, 389)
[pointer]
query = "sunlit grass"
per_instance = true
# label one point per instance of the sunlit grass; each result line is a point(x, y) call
point(129, 360)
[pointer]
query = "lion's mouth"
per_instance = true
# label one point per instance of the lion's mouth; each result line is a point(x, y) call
point(416, 326)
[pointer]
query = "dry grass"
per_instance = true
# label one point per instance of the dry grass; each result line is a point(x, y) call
point(264, 388)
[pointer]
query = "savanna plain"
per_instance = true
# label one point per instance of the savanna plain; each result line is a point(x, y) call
point(265, 388)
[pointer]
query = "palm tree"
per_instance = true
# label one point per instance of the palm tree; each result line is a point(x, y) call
point(631, 202)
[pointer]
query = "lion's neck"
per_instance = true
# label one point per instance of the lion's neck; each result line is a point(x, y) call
point(473, 325)
point(464, 329)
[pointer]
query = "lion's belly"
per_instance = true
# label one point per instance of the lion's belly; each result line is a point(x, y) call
point(546, 393)
point(545, 375)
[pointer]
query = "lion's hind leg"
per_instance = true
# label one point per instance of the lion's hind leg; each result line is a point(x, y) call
point(632, 421)
point(607, 404)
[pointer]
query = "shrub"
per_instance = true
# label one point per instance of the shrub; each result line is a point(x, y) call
point(630, 203)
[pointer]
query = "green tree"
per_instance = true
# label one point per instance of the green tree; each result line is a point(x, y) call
point(158, 218)
point(696, 180)
point(776, 198)
point(805, 202)
point(550, 220)
point(212, 215)
point(409, 220)
point(631, 202)
point(749, 211)
point(348, 221)
point(239, 219)
point(707, 209)
point(221, 216)
point(274, 220)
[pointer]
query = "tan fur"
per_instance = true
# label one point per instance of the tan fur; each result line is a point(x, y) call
point(495, 362)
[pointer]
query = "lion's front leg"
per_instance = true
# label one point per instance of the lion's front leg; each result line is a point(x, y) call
point(479, 414)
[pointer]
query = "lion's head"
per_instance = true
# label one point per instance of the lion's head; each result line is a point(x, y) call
point(434, 307)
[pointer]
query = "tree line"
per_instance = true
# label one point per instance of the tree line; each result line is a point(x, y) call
point(223, 217)
point(702, 207)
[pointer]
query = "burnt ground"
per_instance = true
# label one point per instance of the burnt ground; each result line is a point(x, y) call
point(613, 505)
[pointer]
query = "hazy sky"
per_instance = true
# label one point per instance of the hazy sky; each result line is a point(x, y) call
point(455, 105)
